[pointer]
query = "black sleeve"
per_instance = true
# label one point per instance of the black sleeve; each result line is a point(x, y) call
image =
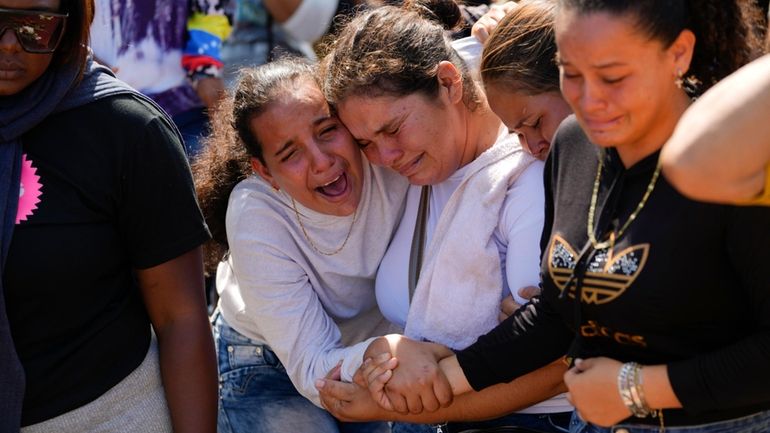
point(532, 337)
point(737, 375)
point(159, 214)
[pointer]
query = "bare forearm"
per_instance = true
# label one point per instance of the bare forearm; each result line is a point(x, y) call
point(498, 400)
point(721, 146)
point(657, 388)
point(189, 371)
point(173, 296)
point(351, 402)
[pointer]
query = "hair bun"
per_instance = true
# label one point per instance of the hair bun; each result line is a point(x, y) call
point(444, 12)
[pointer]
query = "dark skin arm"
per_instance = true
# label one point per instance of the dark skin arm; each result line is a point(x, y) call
point(174, 297)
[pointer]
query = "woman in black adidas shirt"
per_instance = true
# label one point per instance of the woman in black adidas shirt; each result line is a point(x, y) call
point(671, 284)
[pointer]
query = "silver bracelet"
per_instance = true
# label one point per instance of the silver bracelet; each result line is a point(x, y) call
point(636, 390)
point(630, 388)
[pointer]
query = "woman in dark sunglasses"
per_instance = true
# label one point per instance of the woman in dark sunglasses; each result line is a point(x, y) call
point(102, 316)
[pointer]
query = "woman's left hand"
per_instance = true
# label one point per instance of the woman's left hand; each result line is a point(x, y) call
point(593, 390)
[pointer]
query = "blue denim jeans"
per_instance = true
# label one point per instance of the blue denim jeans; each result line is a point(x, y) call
point(546, 423)
point(257, 396)
point(756, 423)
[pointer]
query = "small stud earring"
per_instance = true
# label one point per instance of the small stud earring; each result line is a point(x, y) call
point(679, 81)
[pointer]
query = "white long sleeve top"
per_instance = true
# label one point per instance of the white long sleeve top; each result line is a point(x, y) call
point(312, 310)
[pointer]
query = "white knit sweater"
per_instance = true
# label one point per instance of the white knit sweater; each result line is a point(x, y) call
point(306, 306)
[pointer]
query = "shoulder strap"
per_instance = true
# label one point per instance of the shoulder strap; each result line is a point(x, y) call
point(418, 240)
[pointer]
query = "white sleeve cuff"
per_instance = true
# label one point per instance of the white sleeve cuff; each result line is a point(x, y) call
point(311, 20)
point(353, 359)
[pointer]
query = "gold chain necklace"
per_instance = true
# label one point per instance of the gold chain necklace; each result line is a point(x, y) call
point(592, 209)
point(310, 241)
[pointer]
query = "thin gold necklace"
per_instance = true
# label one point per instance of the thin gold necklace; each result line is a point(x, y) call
point(310, 241)
point(592, 209)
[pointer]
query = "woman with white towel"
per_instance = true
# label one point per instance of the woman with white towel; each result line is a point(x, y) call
point(474, 213)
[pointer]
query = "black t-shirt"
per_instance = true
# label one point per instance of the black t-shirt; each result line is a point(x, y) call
point(686, 285)
point(106, 189)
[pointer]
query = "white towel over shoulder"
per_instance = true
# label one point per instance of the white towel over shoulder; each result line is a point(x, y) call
point(458, 296)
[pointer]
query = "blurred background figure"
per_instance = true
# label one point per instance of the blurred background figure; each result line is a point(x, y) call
point(168, 50)
point(264, 30)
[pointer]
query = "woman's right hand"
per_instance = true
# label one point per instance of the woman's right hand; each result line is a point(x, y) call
point(417, 384)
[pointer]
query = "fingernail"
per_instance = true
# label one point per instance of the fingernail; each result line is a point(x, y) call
point(319, 384)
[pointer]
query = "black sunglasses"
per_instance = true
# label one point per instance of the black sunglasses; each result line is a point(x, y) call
point(37, 31)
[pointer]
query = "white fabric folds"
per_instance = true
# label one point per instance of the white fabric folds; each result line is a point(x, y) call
point(458, 296)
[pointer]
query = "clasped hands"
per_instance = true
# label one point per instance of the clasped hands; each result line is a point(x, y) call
point(398, 376)
point(403, 376)
point(383, 389)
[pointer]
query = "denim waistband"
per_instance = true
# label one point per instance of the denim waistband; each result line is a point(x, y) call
point(758, 422)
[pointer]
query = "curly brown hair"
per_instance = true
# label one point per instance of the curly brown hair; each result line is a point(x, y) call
point(226, 157)
point(223, 162)
point(724, 31)
point(395, 51)
point(520, 54)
